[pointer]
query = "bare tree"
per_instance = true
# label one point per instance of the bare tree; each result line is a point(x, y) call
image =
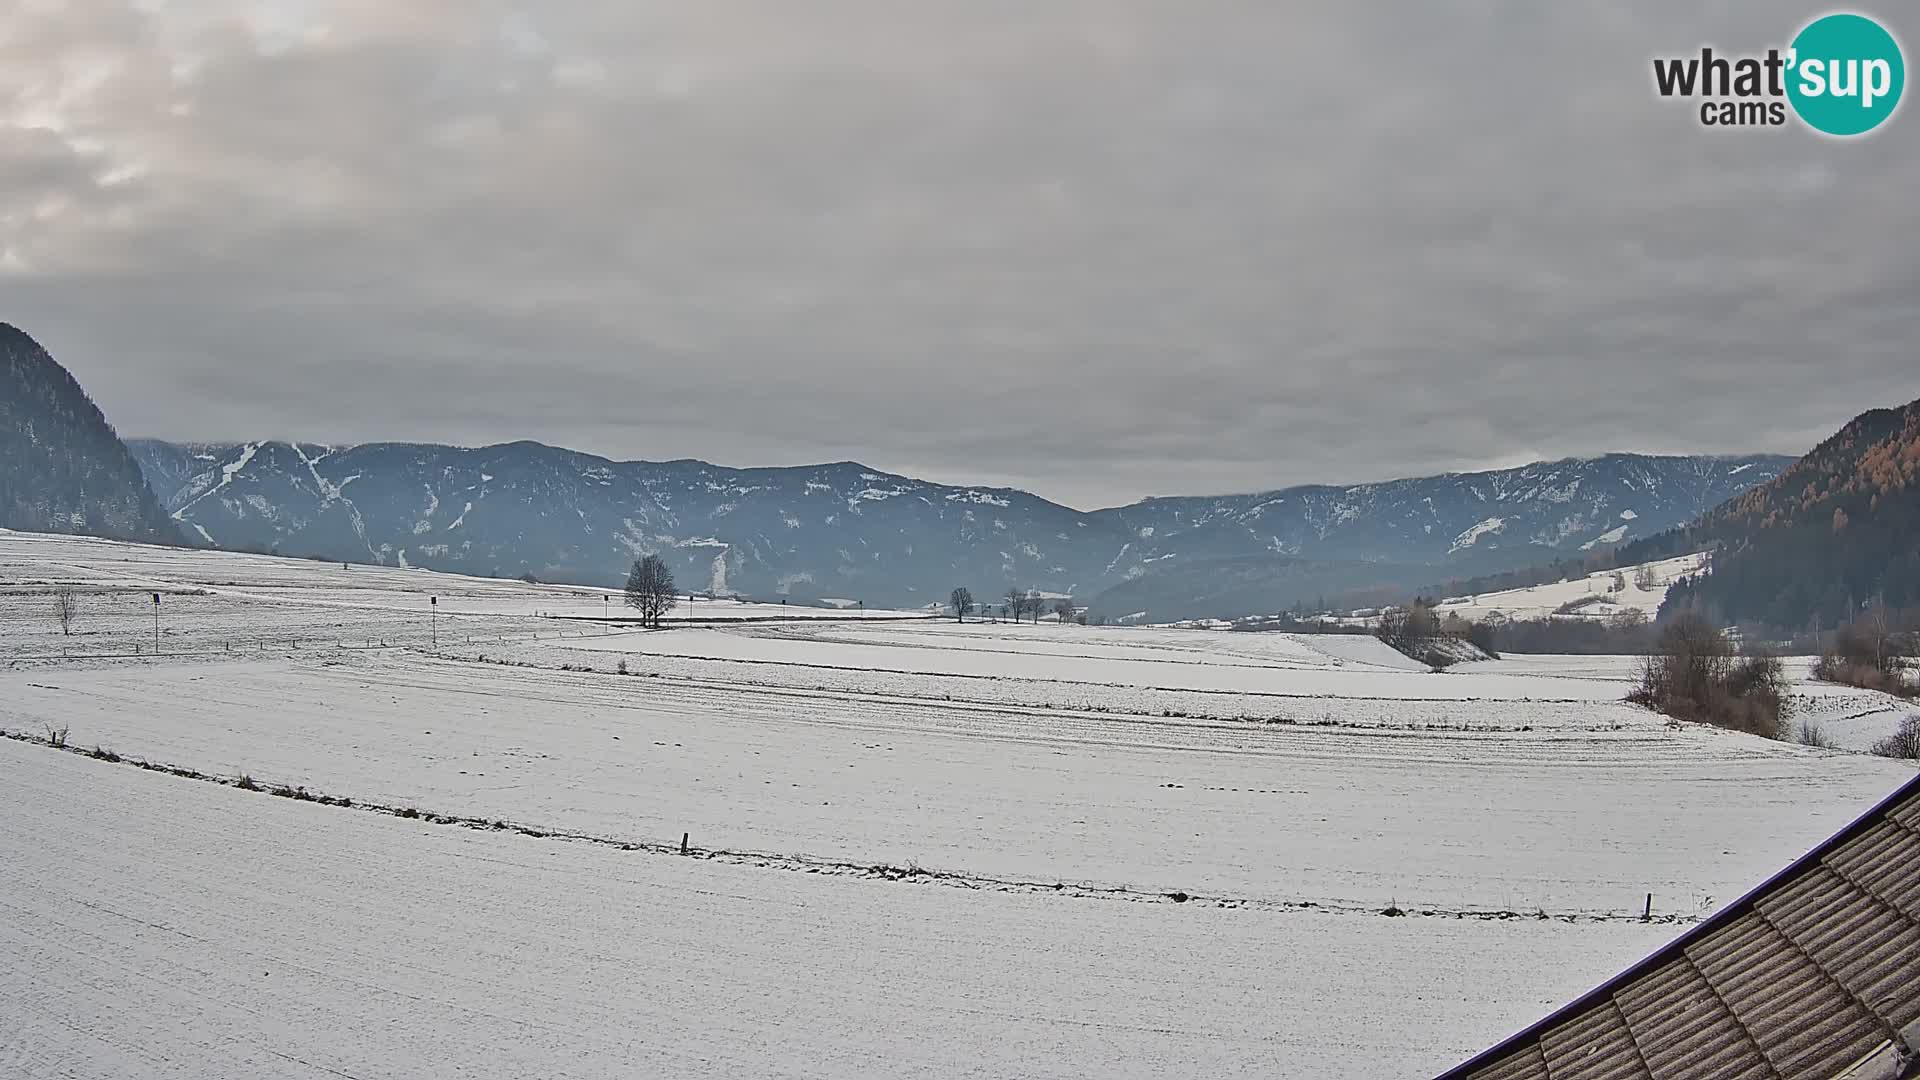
point(1392, 627)
point(1628, 619)
point(1016, 604)
point(1644, 580)
point(65, 606)
point(650, 589)
point(962, 601)
point(1063, 609)
point(1882, 637)
point(1408, 628)
point(1694, 658)
point(1903, 743)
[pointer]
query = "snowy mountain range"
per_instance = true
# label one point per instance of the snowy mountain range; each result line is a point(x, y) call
point(846, 531)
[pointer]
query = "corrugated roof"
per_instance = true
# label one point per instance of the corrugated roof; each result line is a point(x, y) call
point(1814, 975)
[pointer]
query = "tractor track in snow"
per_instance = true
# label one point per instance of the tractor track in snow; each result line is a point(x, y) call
point(809, 864)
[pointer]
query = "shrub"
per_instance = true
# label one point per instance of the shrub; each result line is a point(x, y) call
point(1694, 676)
point(1873, 652)
point(1904, 743)
point(57, 736)
point(1812, 734)
point(245, 783)
point(1579, 604)
point(1836, 668)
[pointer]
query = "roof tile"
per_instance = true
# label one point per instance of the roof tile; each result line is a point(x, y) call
point(1799, 979)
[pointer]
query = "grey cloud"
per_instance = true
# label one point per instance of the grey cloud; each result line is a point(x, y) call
point(1093, 249)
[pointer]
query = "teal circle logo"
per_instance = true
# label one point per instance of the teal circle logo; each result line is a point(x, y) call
point(1846, 74)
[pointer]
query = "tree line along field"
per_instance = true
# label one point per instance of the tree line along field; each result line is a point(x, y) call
point(918, 848)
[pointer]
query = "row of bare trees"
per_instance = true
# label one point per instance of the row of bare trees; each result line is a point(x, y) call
point(651, 592)
point(1018, 604)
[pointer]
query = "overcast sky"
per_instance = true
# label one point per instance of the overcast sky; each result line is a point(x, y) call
point(1094, 248)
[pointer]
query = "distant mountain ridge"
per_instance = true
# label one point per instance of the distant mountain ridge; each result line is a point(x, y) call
point(62, 468)
point(847, 531)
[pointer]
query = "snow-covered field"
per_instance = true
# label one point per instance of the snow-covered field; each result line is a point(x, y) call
point(225, 601)
point(1594, 593)
point(921, 848)
point(161, 928)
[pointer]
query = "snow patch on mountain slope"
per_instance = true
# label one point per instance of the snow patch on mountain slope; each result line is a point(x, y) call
point(331, 493)
point(982, 498)
point(1611, 536)
point(874, 494)
point(1471, 536)
point(425, 524)
point(227, 473)
point(633, 540)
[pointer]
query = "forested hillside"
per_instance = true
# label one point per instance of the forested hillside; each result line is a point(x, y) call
point(62, 468)
point(1838, 529)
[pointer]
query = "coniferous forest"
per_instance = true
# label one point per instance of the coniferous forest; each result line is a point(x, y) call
point(62, 468)
point(1836, 532)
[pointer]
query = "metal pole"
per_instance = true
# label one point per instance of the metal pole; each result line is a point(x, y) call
point(433, 620)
